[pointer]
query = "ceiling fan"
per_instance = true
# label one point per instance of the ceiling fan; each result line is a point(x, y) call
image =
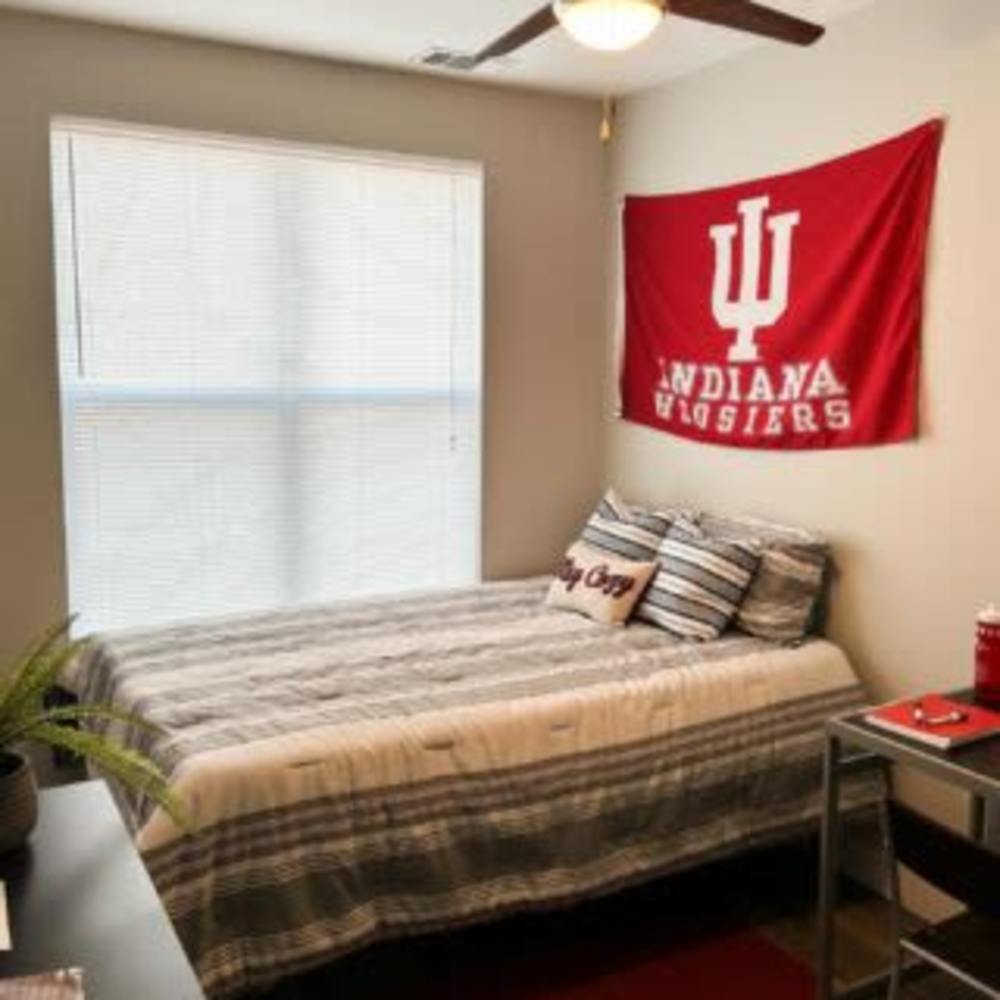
point(614, 25)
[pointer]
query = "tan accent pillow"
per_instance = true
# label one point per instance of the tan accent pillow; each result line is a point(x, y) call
point(599, 585)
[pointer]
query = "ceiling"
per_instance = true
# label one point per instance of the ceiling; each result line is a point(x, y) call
point(394, 32)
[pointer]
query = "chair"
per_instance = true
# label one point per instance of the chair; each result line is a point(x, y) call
point(966, 947)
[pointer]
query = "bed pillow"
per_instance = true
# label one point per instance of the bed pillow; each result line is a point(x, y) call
point(701, 582)
point(786, 596)
point(624, 531)
point(600, 586)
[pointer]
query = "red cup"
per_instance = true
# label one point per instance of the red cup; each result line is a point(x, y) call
point(988, 657)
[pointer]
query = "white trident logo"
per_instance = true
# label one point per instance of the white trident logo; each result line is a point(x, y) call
point(751, 311)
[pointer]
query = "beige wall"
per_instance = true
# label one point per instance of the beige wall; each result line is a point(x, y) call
point(544, 261)
point(917, 526)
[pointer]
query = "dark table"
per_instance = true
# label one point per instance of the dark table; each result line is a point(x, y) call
point(78, 895)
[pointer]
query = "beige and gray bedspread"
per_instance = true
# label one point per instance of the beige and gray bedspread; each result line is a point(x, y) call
point(367, 770)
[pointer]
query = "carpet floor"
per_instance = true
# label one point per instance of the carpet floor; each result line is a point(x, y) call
point(721, 966)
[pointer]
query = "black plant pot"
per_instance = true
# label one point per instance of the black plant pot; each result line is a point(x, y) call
point(18, 801)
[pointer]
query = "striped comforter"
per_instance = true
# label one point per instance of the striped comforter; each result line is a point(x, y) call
point(380, 768)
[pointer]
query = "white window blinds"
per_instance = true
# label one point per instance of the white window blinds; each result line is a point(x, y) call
point(270, 370)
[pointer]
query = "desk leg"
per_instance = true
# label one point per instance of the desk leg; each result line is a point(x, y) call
point(977, 819)
point(829, 868)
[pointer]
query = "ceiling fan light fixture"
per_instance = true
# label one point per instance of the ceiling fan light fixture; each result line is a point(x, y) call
point(609, 25)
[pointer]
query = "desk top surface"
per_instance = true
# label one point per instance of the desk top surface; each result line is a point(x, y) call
point(79, 896)
point(975, 767)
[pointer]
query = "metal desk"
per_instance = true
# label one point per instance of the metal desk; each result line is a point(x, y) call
point(974, 769)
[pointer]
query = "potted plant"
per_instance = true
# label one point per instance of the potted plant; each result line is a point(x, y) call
point(25, 717)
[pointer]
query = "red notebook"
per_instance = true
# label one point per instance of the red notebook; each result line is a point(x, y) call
point(937, 720)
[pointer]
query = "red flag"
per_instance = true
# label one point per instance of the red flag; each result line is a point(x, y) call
point(783, 312)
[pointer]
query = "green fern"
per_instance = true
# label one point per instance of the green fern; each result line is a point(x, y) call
point(24, 717)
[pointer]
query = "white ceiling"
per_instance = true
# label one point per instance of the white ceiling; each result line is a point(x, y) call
point(394, 32)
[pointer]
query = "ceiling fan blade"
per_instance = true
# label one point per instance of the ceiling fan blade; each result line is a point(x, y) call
point(743, 15)
point(527, 31)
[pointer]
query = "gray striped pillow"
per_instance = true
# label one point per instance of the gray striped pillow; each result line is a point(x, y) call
point(785, 595)
point(787, 591)
point(627, 532)
point(700, 584)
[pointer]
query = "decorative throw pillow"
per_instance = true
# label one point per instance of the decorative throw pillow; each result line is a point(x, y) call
point(600, 586)
point(701, 583)
point(624, 531)
point(787, 592)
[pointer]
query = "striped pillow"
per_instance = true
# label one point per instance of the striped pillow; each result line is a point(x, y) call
point(700, 585)
point(786, 595)
point(618, 529)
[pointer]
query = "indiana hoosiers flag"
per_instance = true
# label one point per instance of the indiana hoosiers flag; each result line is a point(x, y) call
point(785, 312)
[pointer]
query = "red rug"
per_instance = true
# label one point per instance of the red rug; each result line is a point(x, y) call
point(733, 965)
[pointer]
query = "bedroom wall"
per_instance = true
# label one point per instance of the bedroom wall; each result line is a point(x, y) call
point(544, 260)
point(916, 527)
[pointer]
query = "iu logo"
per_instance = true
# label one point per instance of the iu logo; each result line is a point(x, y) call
point(752, 310)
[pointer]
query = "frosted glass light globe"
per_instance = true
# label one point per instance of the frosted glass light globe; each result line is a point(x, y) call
point(609, 25)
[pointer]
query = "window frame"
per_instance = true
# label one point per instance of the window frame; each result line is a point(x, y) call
point(282, 402)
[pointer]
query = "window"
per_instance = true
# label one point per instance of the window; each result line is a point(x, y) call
point(270, 372)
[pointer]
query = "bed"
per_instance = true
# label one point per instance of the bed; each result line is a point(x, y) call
point(389, 767)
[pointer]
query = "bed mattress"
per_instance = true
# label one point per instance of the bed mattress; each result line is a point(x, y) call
point(372, 769)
